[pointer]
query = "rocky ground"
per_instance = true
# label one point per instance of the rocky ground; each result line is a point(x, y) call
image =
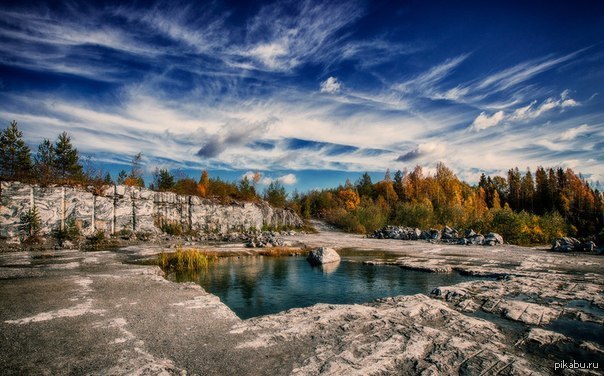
point(74, 312)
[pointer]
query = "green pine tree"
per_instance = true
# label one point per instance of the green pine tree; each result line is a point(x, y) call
point(67, 160)
point(44, 162)
point(121, 177)
point(15, 155)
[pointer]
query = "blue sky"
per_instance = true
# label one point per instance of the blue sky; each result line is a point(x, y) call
point(311, 92)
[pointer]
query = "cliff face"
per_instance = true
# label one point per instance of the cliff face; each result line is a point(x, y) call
point(126, 208)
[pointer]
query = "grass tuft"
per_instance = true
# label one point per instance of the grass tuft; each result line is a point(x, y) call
point(185, 260)
point(280, 251)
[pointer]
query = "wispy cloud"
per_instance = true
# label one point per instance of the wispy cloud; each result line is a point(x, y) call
point(528, 112)
point(523, 72)
point(426, 83)
point(281, 37)
point(572, 133)
point(287, 86)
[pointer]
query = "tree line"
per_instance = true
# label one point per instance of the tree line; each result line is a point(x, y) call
point(524, 210)
point(59, 162)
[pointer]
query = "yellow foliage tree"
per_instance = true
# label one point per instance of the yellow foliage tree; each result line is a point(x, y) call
point(204, 184)
point(350, 197)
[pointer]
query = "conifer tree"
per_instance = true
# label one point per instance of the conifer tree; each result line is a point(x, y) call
point(67, 160)
point(121, 177)
point(44, 162)
point(15, 155)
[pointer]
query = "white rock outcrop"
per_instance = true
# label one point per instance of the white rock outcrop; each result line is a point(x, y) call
point(128, 208)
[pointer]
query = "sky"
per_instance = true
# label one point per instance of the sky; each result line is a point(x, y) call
point(310, 93)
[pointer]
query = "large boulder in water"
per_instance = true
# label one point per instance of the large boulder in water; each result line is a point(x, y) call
point(322, 256)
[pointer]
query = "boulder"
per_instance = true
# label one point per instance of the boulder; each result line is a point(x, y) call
point(449, 233)
point(322, 256)
point(587, 247)
point(475, 240)
point(566, 244)
point(493, 238)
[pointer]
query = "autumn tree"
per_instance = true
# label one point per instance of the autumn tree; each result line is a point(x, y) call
point(203, 187)
point(350, 197)
point(135, 178)
point(185, 186)
point(15, 155)
point(385, 189)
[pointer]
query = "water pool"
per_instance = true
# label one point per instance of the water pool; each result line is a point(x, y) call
point(257, 285)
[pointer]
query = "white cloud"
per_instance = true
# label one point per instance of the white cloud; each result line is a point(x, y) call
point(429, 149)
point(528, 112)
point(531, 111)
point(270, 53)
point(484, 121)
point(572, 133)
point(330, 85)
point(288, 179)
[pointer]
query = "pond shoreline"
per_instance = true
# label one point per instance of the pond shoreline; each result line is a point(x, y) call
point(68, 311)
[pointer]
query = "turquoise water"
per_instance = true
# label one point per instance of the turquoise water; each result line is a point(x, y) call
point(256, 286)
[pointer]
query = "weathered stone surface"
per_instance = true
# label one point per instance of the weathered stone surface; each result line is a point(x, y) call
point(323, 255)
point(89, 311)
point(419, 264)
point(493, 238)
point(449, 233)
point(401, 335)
point(566, 244)
point(264, 239)
point(475, 240)
point(124, 208)
point(545, 337)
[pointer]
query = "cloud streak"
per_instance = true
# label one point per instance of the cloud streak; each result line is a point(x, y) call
point(291, 86)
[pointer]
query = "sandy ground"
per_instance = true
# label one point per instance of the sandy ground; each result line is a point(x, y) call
point(73, 312)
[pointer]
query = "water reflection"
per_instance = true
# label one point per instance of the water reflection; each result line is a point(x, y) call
point(255, 286)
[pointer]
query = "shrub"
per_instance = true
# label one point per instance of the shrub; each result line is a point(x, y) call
point(279, 251)
point(420, 215)
point(70, 232)
point(191, 260)
point(31, 223)
point(172, 228)
point(97, 238)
